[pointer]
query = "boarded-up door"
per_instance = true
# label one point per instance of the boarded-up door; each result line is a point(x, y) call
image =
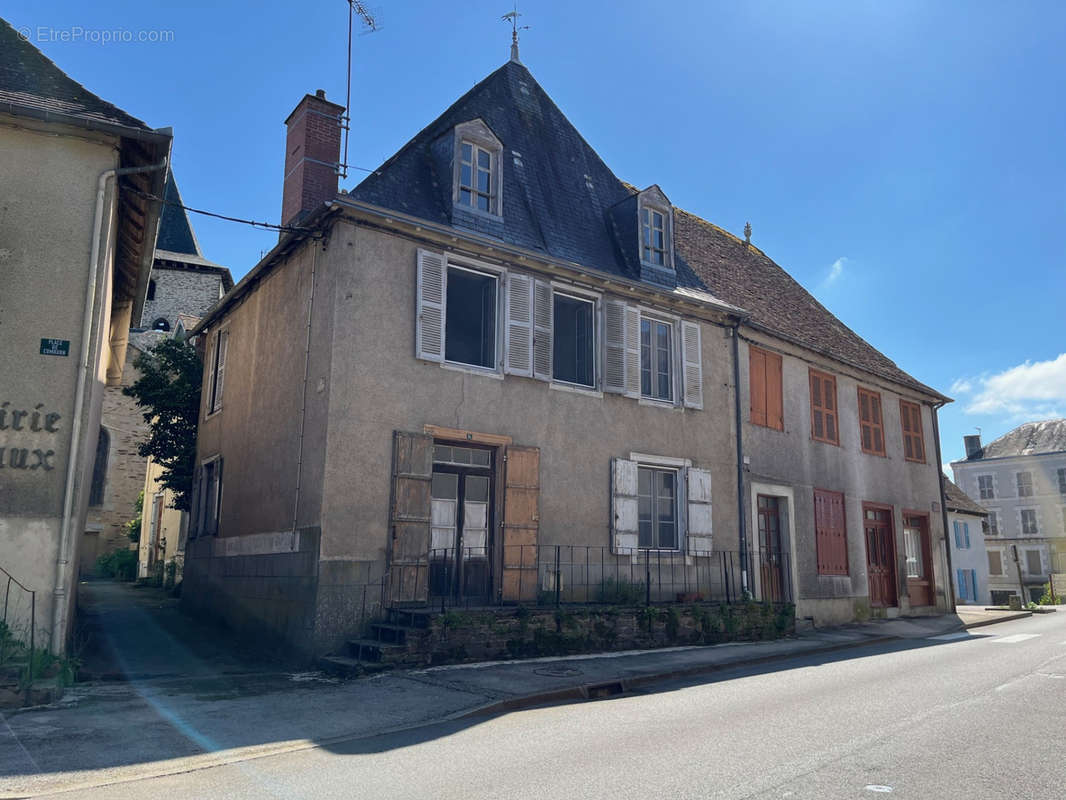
point(521, 523)
point(412, 475)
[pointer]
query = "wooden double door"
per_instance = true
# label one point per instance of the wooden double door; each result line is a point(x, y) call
point(880, 555)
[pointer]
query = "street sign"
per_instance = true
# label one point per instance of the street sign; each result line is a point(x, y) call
point(55, 347)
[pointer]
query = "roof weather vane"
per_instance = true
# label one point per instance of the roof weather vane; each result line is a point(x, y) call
point(512, 17)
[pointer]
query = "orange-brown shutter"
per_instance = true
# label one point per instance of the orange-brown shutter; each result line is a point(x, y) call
point(412, 476)
point(775, 404)
point(757, 382)
point(521, 523)
point(831, 539)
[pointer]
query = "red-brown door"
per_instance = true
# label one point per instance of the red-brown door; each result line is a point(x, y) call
point(771, 575)
point(919, 562)
point(880, 555)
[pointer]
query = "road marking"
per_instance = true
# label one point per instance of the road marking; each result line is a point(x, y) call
point(1018, 637)
point(946, 637)
point(873, 787)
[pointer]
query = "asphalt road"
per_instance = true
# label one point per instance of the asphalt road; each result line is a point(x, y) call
point(979, 716)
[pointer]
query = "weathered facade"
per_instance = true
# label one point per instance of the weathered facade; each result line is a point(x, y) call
point(1020, 480)
point(966, 524)
point(77, 233)
point(514, 376)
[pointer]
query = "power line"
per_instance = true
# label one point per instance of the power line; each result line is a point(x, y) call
point(264, 225)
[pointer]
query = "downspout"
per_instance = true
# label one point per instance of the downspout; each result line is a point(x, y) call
point(85, 364)
point(303, 395)
point(943, 506)
point(741, 517)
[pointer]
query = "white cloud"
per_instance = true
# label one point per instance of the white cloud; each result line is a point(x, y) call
point(1028, 391)
point(962, 386)
point(835, 269)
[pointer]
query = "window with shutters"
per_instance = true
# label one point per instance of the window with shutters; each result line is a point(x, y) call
point(218, 372)
point(1025, 484)
point(209, 497)
point(470, 317)
point(573, 350)
point(911, 421)
point(962, 535)
point(656, 359)
point(764, 383)
point(871, 425)
point(1029, 527)
point(995, 562)
point(985, 487)
point(831, 538)
point(657, 508)
point(824, 408)
point(990, 524)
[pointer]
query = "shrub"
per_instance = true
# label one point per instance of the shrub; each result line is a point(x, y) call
point(120, 565)
point(619, 592)
point(1048, 598)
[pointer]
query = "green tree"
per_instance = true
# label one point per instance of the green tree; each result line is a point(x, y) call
point(169, 392)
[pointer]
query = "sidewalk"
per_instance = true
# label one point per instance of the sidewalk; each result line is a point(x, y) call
point(220, 711)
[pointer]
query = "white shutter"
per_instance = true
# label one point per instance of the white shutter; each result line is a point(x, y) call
point(692, 364)
point(209, 375)
point(632, 354)
point(698, 494)
point(220, 369)
point(542, 334)
point(519, 327)
point(429, 328)
point(625, 527)
point(614, 366)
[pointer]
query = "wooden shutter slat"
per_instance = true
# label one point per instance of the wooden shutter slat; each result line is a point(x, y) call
point(632, 351)
point(432, 291)
point(775, 401)
point(614, 373)
point(831, 540)
point(692, 364)
point(543, 320)
point(757, 384)
point(521, 523)
point(409, 517)
point(518, 313)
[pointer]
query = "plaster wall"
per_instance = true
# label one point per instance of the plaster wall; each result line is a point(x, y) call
point(792, 458)
point(974, 557)
point(48, 179)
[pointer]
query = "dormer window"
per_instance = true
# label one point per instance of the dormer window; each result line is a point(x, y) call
point(475, 177)
point(477, 180)
point(653, 237)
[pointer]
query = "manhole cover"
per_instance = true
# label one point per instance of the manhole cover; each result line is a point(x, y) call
point(557, 672)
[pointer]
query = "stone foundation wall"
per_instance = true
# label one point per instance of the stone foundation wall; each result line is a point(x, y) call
point(457, 636)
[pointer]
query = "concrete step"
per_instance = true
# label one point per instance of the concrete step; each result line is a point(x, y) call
point(393, 634)
point(373, 650)
point(411, 617)
point(41, 693)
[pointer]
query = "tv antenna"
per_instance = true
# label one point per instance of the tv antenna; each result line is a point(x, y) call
point(370, 25)
point(512, 17)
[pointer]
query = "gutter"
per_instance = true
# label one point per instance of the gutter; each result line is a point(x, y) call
point(87, 123)
point(943, 505)
point(739, 421)
point(86, 363)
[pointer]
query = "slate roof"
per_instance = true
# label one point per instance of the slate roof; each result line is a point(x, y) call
point(1032, 438)
point(957, 500)
point(31, 80)
point(556, 198)
point(175, 232)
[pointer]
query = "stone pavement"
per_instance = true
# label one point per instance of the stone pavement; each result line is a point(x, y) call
point(225, 708)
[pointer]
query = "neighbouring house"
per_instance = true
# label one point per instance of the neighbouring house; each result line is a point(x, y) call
point(163, 528)
point(1020, 480)
point(182, 286)
point(966, 536)
point(78, 226)
point(495, 373)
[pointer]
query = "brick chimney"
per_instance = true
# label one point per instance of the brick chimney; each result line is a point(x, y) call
point(312, 154)
point(972, 445)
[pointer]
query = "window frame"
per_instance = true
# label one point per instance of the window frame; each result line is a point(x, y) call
point(999, 555)
point(991, 487)
point(768, 357)
point(478, 135)
point(592, 299)
point(1029, 552)
point(215, 464)
point(498, 275)
point(672, 325)
point(917, 437)
point(1028, 483)
point(871, 397)
point(650, 209)
point(677, 470)
point(214, 397)
point(990, 524)
point(1021, 522)
point(813, 373)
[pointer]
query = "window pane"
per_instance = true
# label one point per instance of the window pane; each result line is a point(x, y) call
point(467, 153)
point(481, 458)
point(464, 176)
point(573, 353)
point(442, 453)
point(477, 488)
point(445, 486)
point(645, 357)
point(465, 197)
point(461, 455)
point(483, 158)
point(470, 327)
point(483, 202)
point(483, 181)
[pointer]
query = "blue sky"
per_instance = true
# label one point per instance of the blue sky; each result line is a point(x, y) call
point(903, 160)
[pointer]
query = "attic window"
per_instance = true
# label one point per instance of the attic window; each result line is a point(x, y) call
point(476, 169)
point(653, 237)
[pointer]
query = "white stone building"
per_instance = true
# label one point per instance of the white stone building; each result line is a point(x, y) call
point(969, 559)
point(1020, 479)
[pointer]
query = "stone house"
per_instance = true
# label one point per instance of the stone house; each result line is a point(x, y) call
point(182, 286)
point(514, 376)
point(77, 237)
point(969, 559)
point(1020, 480)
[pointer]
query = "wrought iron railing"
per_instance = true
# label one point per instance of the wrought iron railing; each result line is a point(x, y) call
point(541, 575)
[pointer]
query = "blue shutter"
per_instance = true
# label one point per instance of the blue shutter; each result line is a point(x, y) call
point(973, 581)
point(966, 531)
point(960, 579)
point(958, 539)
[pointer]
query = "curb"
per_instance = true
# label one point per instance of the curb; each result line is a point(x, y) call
point(981, 623)
point(616, 686)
